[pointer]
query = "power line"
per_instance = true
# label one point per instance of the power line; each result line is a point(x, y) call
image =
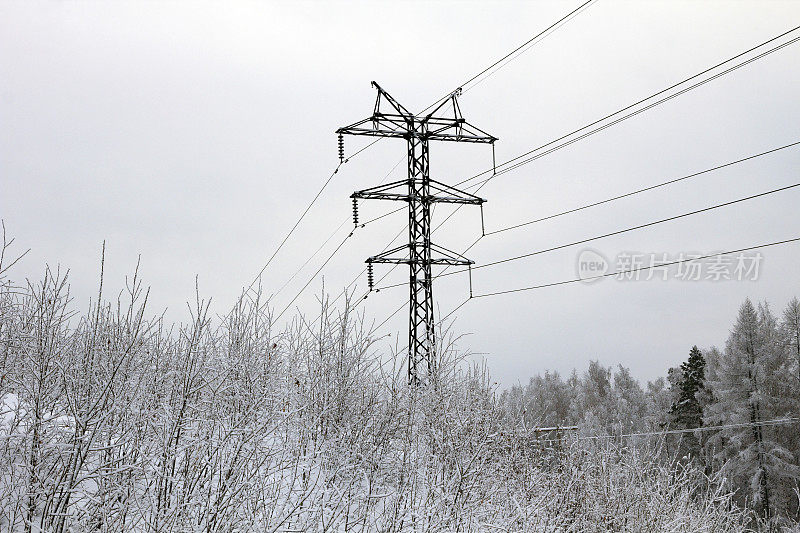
point(294, 227)
point(638, 191)
point(459, 306)
point(350, 285)
point(618, 197)
point(297, 223)
point(280, 246)
point(392, 212)
point(497, 169)
point(640, 269)
point(576, 12)
point(312, 256)
point(527, 45)
point(610, 274)
point(719, 427)
point(610, 234)
point(315, 275)
point(650, 106)
point(364, 148)
point(316, 252)
point(495, 172)
point(345, 221)
point(387, 319)
point(632, 228)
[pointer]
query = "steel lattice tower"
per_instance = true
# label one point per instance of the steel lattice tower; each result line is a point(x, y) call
point(420, 192)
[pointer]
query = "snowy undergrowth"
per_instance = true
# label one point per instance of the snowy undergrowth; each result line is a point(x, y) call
point(115, 422)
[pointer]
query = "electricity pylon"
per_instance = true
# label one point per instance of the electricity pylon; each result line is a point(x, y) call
point(420, 192)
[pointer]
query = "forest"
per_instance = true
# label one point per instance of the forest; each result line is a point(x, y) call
point(113, 420)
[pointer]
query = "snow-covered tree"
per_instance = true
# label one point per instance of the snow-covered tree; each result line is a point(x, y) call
point(631, 403)
point(791, 331)
point(746, 382)
point(544, 401)
point(659, 399)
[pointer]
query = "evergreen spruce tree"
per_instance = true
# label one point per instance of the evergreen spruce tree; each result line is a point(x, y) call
point(686, 411)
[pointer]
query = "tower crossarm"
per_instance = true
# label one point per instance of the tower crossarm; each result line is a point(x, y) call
point(452, 195)
point(397, 190)
point(398, 122)
point(444, 129)
point(384, 192)
point(377, 126)
point(444, 257)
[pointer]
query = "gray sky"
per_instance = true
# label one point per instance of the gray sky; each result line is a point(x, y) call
point(194, 134)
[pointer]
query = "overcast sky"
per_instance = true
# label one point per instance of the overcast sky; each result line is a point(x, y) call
point(194, 134)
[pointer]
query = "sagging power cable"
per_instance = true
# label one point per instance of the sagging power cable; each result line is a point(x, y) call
point(628, 194)
point(523, 158)
point(636, 270)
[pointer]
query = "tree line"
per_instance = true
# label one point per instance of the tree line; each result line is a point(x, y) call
point(742, 400)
